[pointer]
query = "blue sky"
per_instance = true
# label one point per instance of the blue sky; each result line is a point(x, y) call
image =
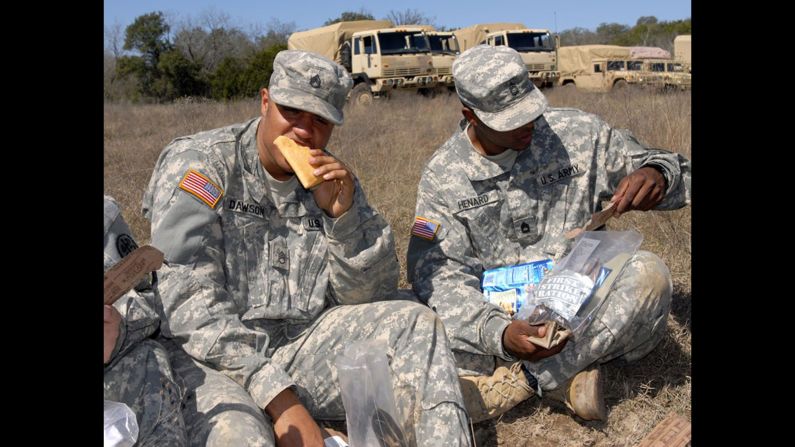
point(305, 14)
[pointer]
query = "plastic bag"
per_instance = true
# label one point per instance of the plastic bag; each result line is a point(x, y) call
point(368, 397)
point(508, 287)
point(121, 426)
point(576, 287)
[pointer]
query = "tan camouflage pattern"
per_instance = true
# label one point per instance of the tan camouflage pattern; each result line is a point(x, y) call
point(138, 373)
point(248, 283)
point(495, 84)
point(310, 82)
point(491, 217)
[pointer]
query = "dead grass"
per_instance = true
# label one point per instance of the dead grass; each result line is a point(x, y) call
point(387, 145)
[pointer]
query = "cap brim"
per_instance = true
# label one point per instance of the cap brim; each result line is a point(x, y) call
point(307, 102)
point(517, 115)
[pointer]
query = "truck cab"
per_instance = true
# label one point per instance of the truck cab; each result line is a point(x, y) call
point(393, 58)
point(537, 48)
point(444, 49)
point(379, 56)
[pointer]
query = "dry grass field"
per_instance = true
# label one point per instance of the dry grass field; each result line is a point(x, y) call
point(387, 145)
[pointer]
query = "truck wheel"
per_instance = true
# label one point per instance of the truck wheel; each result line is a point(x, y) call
point(569, 87)
point(361, 95)
point(620, 84)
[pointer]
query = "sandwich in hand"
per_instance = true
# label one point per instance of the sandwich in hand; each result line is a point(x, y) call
point(297, 157)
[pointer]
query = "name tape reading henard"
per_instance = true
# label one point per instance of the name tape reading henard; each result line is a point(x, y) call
point(123, 276)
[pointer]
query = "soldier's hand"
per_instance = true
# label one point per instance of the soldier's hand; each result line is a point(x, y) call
point(515, 341)
point(335, 194)
point(641, 190)
point(292, 423)
point(112, 328)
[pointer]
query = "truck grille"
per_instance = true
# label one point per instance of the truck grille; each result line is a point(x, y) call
point(443, 71)
point(535, 67)
point(401, 72)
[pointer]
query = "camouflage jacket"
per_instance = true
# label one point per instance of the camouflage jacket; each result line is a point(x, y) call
point(489, 217)
point(137, 307)
point(246, 276)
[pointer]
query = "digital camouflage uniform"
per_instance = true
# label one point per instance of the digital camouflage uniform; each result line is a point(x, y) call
point(263, 296)
point(138, 373)
point(491, 217)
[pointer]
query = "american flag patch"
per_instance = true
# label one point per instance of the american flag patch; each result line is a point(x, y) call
point(201, 187)
point(424, 228)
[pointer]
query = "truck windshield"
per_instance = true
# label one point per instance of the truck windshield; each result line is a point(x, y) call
point(530, 42)
point(443, 44)
point(403, 42)
point(634, 65)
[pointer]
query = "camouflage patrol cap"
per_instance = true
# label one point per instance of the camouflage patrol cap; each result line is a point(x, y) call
point(310, 82)
point(495, 84)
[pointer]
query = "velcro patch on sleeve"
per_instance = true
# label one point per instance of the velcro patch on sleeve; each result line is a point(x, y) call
point(202, 187)
point(425, 228)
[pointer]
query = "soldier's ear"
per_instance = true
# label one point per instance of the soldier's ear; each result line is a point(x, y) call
point(265, 99)
point(469, 115)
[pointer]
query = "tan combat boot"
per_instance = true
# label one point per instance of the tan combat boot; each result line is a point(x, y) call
point(486, 397)
point(582, 394)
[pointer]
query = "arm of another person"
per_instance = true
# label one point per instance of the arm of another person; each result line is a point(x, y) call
point(129, 320)
point(132, 317)
point(445, 273)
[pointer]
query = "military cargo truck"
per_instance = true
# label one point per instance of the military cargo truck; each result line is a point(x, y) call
point(602, 68)
point(682, 50)
point(537, 47)
point(379, 56)
point(444, 49)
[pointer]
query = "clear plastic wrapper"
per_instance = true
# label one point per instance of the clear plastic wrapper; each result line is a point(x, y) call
point(121, 426)
point(575, 289)
point(368, 397)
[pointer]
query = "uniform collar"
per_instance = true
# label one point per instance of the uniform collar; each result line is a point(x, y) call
point(478, 168)
point(256, 180)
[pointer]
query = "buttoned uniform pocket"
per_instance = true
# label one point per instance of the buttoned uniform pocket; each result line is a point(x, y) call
point(245, 240)
point(285, 274)
point(554, 219)
point(310, 273)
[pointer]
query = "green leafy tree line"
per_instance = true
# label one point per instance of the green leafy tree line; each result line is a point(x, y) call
point(648, 31)
point(212, 60)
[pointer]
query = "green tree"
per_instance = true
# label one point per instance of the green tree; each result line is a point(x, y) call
point(227, 81)
point(258, 71)
point(348, 16)
point(578, 36)
point(611, 33)
point(179, 77)
point(148, 36)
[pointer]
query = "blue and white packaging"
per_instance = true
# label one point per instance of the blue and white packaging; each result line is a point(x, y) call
point(509, 287)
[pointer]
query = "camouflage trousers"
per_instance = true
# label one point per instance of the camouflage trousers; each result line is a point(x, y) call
point(143, 380)
point(629, 325)
point(219, 412)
